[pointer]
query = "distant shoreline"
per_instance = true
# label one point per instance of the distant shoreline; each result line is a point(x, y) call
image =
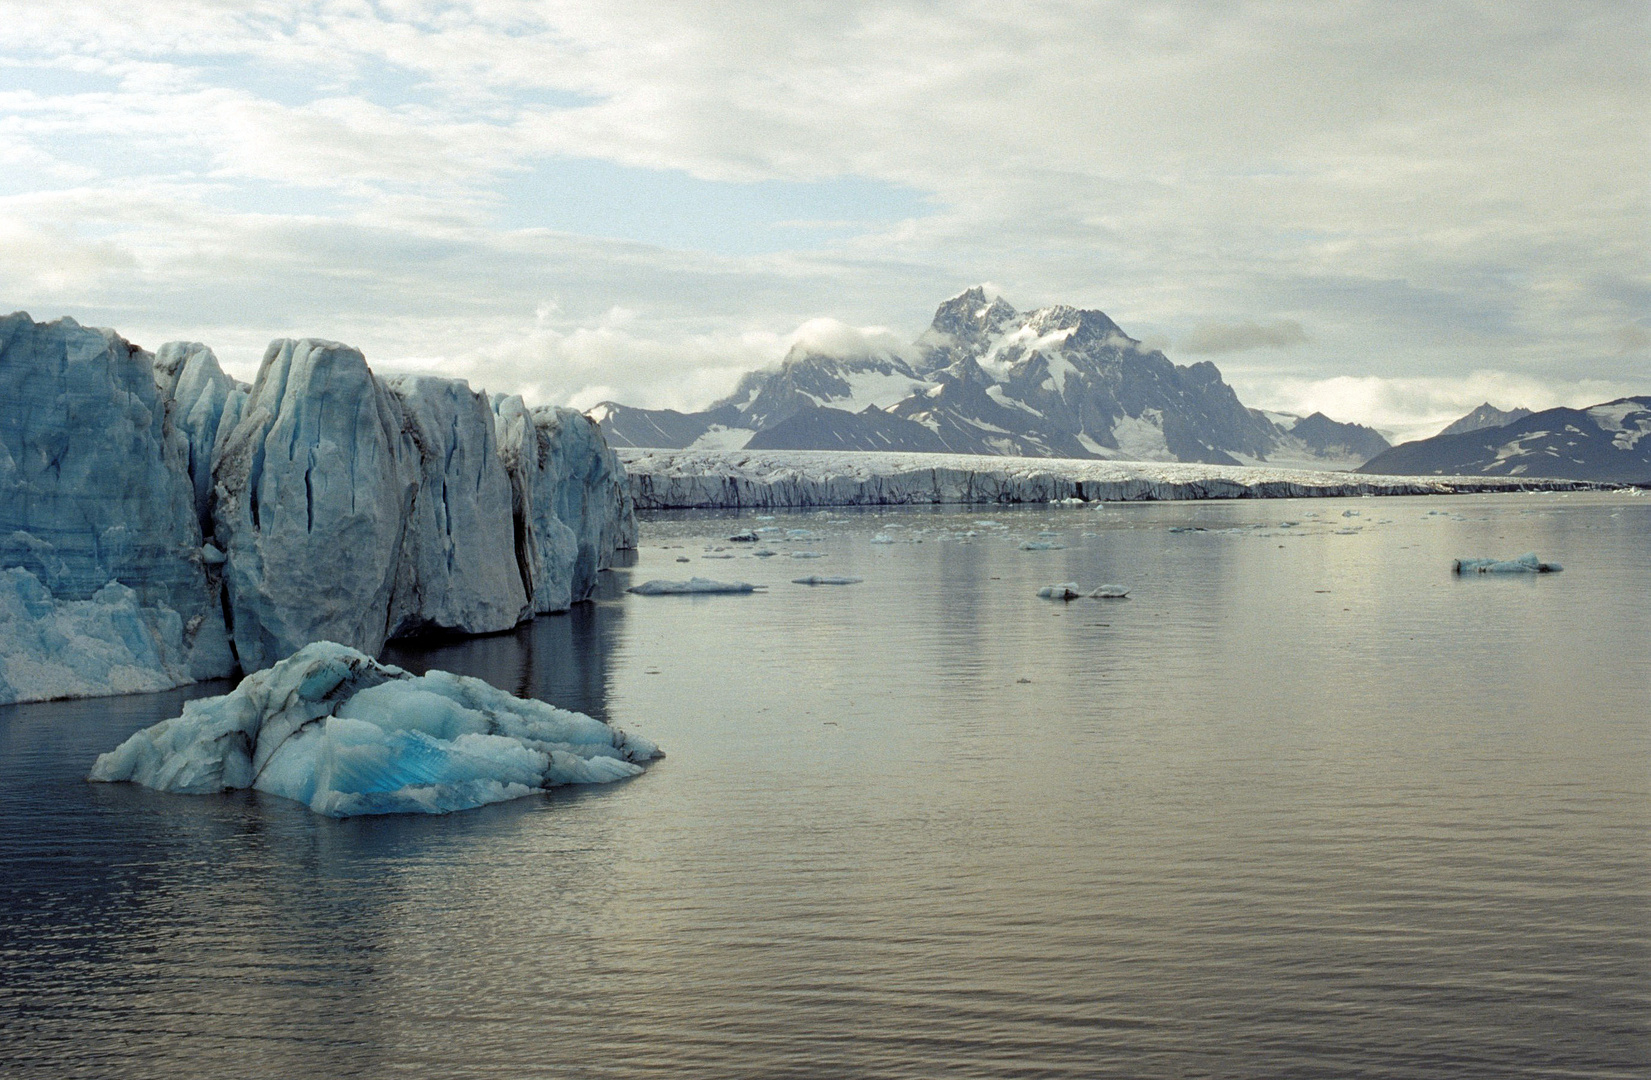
point(772, 479)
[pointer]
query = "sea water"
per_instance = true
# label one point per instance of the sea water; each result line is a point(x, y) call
point(1304, 804)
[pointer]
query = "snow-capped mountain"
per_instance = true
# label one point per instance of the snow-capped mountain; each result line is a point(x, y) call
point(987, 379)
point(1609, 442)
point(1485, 416)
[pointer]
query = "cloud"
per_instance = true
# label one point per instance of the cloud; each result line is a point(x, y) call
point(1211, 338)
point(233, 171)
point(834, 338)
point(1416, 408)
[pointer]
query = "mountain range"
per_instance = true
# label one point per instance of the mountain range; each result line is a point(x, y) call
point(1610, 442)
point(984, 378)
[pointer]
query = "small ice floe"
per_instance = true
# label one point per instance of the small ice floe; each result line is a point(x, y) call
point(1070, 500)
point(764, 553)
point(1187, 528)
point(883, 538)
point(714, 555)
point(807, 554)
point(817, 579)
point(693, 586)
point(682, 558)
point(345, 735)
point(801, 534)
point(1349, 513)
point(747, 537)
point(1071, 590)
point(1527, 563)
point(1041, 545)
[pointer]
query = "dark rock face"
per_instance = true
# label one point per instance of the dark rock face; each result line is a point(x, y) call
point(623, 425)
point(986, 379)
point(1485, 416)
point(1330, 438)
point(1607, 443)
point(819, 428)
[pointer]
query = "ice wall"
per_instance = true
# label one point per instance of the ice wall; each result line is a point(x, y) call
point(570, 504)
point(355, 509)
point(95, 488)
point(698, 479)
point(320, 503)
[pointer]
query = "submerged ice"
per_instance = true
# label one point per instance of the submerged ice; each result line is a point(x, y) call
point(334, 729)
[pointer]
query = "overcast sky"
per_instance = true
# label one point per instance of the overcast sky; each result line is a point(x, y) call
point(1387, 211)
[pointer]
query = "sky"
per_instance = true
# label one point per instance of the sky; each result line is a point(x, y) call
point(1387, 211)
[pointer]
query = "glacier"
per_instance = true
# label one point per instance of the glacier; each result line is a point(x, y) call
point(332, 728)
point(95, 490)
point(771, 479)
point(322, 502)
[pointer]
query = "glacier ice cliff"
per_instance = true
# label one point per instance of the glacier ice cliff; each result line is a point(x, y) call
point(95, 489)
point(320, 503)
point(334, 729)
point(705, 479)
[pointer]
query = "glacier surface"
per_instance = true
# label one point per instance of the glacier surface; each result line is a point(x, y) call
point(691, 479)
point(345, 735)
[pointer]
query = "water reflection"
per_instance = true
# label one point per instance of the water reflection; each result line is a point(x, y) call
point(1305, 804)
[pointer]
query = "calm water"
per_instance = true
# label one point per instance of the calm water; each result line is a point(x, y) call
point(1304, 805)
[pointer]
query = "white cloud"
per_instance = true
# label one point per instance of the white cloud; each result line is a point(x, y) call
point(1437, 191)
point(1416, 408)
point(834, 338)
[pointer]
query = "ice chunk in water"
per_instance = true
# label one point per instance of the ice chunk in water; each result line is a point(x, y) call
point(1069, 590)
point(1527, 563)
point(816, 579)
point(1040, 545)
point(346, 735)
point(693, 585)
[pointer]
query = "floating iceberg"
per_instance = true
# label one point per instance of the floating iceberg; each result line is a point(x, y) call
point(1041, 545)
point(1527, 563)
point(816, 579)
point(692, 586)
point(1071, 590)
point(334, 729)
point(807, 554)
